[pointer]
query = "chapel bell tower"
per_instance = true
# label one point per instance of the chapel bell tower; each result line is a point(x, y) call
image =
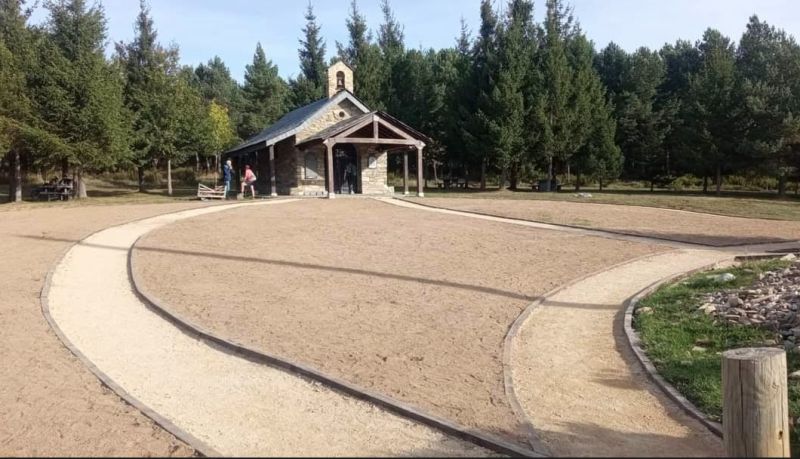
point(340, 76)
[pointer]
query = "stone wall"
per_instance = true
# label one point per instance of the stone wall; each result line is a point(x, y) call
point(336, 113)
point(373, 181)
point(286, 167)
point(332, 83)
point(308, 184)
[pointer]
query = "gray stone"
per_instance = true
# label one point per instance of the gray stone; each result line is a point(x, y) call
point(721, 278)
point(644, 311)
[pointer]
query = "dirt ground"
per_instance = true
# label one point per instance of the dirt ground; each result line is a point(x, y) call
point(50, 403)
point(409, 303)
point(668, 224)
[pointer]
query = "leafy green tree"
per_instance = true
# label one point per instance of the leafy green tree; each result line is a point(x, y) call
point(77, 92)
point(215, 83)
point(310, 85)
point(460, 102)
point(265, 95)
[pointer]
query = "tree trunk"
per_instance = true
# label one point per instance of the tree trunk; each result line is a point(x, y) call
point(550, 174)
point(169, 177)
point(503, 176)
point(705, 184)
point(80, 190)
point(483, 175)
point(652, 185)
point(64, 168)
point(513, 177)
point(601, 183)
point(578, 180)
point(435, 173)
point(15, 178)
point(140, 174)
point(782, 185)
point(719, 179)
point(569, 175)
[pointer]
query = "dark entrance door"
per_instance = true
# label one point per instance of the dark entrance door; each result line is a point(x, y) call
point(345, 169)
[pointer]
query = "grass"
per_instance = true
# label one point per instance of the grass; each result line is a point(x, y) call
point(675, 329)
point(105, 193)
point(735, 204)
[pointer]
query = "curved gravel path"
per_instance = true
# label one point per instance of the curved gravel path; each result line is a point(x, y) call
point(232, 405)
point(578, 382)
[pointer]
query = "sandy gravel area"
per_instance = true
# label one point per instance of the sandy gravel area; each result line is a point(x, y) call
point(407, 302)
point(578, 381)
point(675, 225)
point(50, 404)
point(236, 407)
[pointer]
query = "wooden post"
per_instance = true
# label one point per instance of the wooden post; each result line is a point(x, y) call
point(420, 173)
point(755, 418)
point(405, 173)
point(329, 147)
point(273, 187)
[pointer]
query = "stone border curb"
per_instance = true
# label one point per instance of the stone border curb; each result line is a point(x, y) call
point(652, 239)
point(635, 344)
point(230, 347)
point(200, 447)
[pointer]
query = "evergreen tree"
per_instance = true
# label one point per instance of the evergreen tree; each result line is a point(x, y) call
point(391, 40)
point(215, 83)
point(508, 126)
point(77, 92)
point(478, 134)
point(310, 85)
point(714, 112)
point(460, 102)
point(265, 95)
point(769, 64)
point(364, 57)
point(642, 127)
point(553, 111)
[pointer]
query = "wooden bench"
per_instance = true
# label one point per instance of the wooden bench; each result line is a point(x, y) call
point(205, 192)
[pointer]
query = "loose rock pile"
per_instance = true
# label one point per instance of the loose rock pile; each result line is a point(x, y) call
point(772, 303)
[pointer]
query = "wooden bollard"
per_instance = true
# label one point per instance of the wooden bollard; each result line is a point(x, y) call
point(755, 410)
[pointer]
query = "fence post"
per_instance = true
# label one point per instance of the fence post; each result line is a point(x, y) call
point(755, 418)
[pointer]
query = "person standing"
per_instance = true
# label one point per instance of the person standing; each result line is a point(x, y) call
point(227, 176)
point(249, 180)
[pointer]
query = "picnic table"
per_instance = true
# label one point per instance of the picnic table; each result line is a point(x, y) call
point(59, 190)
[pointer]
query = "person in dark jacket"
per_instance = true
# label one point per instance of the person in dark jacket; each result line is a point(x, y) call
point(227, 176)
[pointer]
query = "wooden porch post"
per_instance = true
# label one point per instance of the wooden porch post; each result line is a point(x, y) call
point(329, 147)
point(405, 173)
point(273, 185)
point(420, 173)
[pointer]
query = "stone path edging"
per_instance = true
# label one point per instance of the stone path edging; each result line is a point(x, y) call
point(403, 409)
point(198, 445)
point(635, 343)
point(608, 232)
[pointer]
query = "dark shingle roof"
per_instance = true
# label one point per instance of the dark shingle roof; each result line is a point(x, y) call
point(291, 123)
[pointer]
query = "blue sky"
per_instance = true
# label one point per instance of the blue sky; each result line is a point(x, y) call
point(231, 28)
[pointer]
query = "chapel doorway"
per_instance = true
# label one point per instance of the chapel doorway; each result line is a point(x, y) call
point(346, 173)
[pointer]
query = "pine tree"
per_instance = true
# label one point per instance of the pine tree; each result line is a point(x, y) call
point(77, 92)
point(265, 95)
point(769, 64)
point(478, 134)
point(365, 58)
point(391, 40)
point(715, 111)
point(215, 83)
point(459, 102)
point(553, 111)
point(310, 85)
point(508, 126)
